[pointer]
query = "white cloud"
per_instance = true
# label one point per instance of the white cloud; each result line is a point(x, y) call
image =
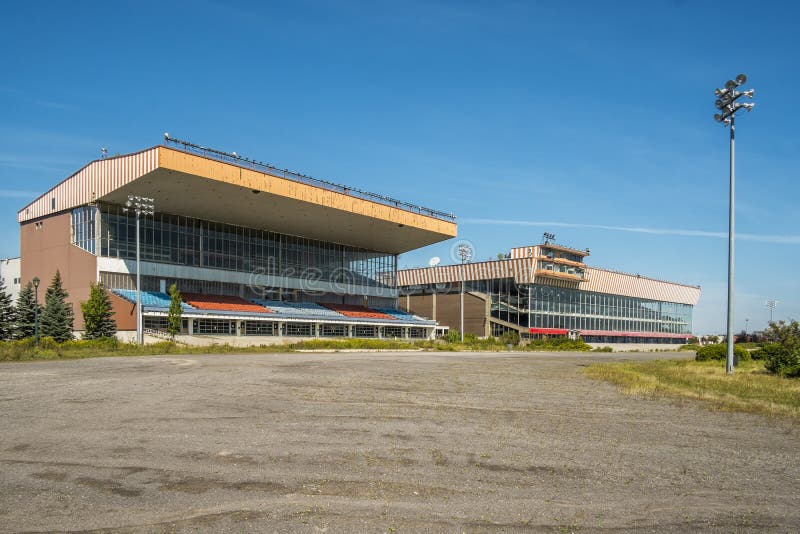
point(763, 238)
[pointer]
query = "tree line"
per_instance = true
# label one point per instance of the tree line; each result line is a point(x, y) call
point(57, 318)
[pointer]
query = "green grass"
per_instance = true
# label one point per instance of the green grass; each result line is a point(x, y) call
point(24, 350)
point(750, 389)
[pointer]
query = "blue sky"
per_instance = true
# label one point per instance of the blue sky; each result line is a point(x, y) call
point(592, 120)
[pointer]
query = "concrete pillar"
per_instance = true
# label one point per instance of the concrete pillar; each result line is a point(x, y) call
point(487, 312)
point(239, 326)
point(280, 329)
point(380, 332)
point(433, 306)
point(349, 330)
point(191, 327)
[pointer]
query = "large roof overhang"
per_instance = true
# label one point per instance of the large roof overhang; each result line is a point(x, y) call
point(183, 183)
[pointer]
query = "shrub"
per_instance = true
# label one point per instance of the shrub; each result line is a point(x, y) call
point(511, 337)
point(452, 336)
point(602, 349)
point(558, 344)
point(779, 360)
point(691, 346)
point(47, 343)
point(720, 352)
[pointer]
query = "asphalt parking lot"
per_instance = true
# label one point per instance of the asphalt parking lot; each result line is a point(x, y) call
point(366, 442)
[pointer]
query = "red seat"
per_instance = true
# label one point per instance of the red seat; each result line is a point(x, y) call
point(222, 303)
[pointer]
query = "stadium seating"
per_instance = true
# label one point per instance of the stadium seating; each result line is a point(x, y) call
point(361, 312)
point(309, 310)
point(150, 299)
point(400, 314)
point(298, 308)
point(223, 303)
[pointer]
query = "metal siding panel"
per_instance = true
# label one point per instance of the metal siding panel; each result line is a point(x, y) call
point(93, 181)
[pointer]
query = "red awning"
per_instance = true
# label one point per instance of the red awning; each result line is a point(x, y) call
point(610, 333)
point(550, 331)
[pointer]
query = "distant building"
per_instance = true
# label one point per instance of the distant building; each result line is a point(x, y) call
point(10, 274)
point(548, 290)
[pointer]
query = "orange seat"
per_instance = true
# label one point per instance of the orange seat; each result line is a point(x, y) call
point(222, 303)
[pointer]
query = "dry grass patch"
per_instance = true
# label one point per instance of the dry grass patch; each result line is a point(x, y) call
point(750, 389)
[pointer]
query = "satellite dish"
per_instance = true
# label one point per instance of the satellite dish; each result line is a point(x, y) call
point(434, 261)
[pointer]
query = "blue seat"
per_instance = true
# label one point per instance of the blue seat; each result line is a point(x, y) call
point(150, 299)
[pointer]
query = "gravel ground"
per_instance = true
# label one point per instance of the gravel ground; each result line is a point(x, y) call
point(366, 442)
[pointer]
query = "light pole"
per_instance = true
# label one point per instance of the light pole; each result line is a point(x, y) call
point(140, 206)
point(771, 303)
point(727, 103)
point(36, 312)
point(465, 253)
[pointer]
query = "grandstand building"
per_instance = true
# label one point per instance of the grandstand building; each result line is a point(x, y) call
point(548, 290)
point(254, 250)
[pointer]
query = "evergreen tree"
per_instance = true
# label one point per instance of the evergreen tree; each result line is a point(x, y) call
point(175, 311)
point(26, 312)
point(7, 314)
point(57, 317)
point(97, 313)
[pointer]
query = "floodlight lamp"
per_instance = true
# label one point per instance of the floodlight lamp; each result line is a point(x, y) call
point(166, 136)
point(730, 85)
point(234, 154)
point(740, 79)
point(749, 93)
point(718, 117)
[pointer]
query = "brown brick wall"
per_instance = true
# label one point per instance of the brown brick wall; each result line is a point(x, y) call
point(44, 248)
point(448, 311)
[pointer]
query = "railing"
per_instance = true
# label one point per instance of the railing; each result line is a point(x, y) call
point(234, 158)
point(578, 277)
point(157, 333)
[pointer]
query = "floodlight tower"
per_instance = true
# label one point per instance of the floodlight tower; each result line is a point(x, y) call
point(465, 253)
point(727, 103)
point(771, 303)
point(140, 206)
